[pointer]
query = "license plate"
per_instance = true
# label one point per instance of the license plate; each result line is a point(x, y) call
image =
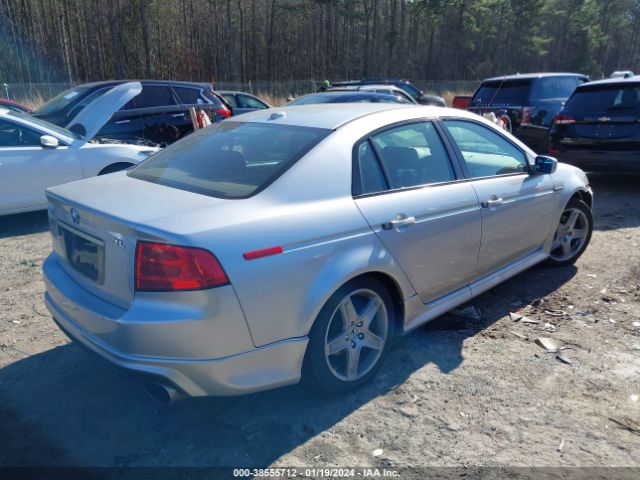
point(84, 252)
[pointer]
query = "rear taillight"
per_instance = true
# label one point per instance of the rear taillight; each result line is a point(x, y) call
point(554, 150)
point(166, 268)
point(563, 119)
point(223, 112)
point(526, 116)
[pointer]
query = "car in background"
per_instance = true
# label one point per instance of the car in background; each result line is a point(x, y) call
point(242, 102)
point(347, 97)
point(417, 94)
point(622, 74)
point(14, 106)
point(35, 154)
point(297, 243)
point(461, 101)
point(598, 128)
point(384, 89)
point(158, 115)
point(528, 102)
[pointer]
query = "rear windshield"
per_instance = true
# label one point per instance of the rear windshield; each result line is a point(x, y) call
point(605, 99)
point(62, 101)
point(511, 92)
point(229, 159)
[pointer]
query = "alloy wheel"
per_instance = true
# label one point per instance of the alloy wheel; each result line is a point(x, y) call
point(356, 335)
point(571, 234)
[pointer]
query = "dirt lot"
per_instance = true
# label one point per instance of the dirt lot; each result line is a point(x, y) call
point(458, 392)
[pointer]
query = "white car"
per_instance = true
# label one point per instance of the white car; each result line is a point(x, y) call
point(36, 155)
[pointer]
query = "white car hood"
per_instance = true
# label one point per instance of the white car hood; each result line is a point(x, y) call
point(97, 113)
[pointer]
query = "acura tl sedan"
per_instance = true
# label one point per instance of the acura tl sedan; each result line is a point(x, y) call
point(295, 243)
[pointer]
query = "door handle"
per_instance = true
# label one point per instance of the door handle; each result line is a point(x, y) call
point(400, 221)
point(176, 115)
point(492, 202)
point(120, 122)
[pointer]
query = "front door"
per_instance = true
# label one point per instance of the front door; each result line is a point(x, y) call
point(517, 205)
point(406, 187)
point(27, 169)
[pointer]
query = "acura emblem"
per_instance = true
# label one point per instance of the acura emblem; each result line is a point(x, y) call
point(75, 216)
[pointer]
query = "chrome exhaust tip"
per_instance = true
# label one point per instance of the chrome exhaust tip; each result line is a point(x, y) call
point(163, 393)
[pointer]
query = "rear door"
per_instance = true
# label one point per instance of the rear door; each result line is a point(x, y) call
point(517, 206)
point(407, 188)
point(27, 169)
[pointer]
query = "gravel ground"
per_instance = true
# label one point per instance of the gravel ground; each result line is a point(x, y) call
point(458, 392)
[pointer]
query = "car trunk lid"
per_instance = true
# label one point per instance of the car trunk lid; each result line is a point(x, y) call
point(95, 236)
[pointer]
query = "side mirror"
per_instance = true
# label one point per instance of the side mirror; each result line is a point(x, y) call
point(545, 165)
point(47, 141)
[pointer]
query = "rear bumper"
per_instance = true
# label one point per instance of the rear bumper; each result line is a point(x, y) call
point(112, 333)
point(604, 162)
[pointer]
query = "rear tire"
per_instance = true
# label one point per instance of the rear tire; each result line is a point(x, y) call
point(350, 338)
point(572, 235)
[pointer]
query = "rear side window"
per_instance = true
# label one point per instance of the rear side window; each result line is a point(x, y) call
point(413, 155)
point(553, 87)
point(510, 92)
point(603, 99)
point(188, 95)
point(369, 176)
point(154, 96)
point(229, 159)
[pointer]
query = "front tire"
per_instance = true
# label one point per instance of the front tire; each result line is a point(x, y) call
point(350, 337)
point(572, 235)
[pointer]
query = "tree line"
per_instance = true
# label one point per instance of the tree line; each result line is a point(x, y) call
point(242, 40)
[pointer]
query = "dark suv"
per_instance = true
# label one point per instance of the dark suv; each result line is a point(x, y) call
point(529, 100)
point(599, 127)
point(159, 114)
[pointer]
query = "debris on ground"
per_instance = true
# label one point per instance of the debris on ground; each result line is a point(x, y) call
point(377, 452)
point(564, 359)
point(548, 344)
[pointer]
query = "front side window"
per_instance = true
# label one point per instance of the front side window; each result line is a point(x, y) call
point(14, 135)
point(413, 155)
point(229, 159)
point(486, 152)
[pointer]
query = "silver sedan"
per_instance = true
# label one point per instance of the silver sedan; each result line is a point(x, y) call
point(295, 243)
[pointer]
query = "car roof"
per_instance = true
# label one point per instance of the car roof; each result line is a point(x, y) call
point(612, 81)
point(530, 76)
point(111, 83)
point(234, 92)
point(322, 115)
